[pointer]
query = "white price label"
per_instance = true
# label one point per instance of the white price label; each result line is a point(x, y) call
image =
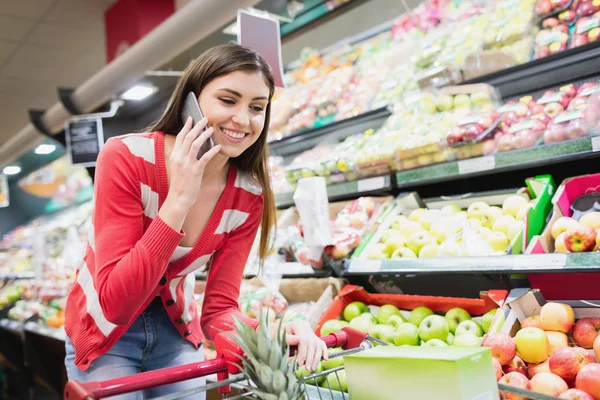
point(367, 185)
point(365, 266)
point(596, 143)
point(540, 262)
point(294, 268)
point(476, 164)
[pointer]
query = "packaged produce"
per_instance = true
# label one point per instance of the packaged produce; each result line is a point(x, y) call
point(547, 8)
point(509, 22)
point(253, 299)
point(473, 128)
point(556, 102)
point(418, 21)
point(551, 40)
point(588, 8)
point(526, 133)
point(331, 87)
point(587, 30)
point(566, 126)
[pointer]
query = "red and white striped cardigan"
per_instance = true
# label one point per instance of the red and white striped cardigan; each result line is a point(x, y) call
point(132, 256)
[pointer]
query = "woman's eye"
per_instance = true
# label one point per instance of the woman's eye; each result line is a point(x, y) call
point(227, 101)
point(257, 108)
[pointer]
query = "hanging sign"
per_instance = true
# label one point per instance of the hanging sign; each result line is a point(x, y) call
point(4, 197)
point(84, 139)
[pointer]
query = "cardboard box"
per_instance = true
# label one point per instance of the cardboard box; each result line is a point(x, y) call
point(449, 373)
point(487, 301)
point(486, 62)
point(576, 286)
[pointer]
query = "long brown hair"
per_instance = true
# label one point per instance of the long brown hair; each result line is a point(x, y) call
point(213, 63)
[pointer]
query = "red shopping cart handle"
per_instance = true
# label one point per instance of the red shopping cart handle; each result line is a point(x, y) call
point(226, 363)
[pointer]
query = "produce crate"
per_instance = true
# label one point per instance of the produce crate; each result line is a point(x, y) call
point(569, 286)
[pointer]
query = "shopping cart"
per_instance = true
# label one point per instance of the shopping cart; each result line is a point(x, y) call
point(226, 367)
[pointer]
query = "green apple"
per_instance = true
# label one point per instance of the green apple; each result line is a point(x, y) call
point(497, 241)
point(415, 215)
point(403, 252)
point(302, 373)
point(387, 235)
point(336, 381)
point(513, 204)
point(450, 339)
point(480, 98)
point(385, 312)
point(435, 343)
point(375, 330)
point(377, 252)
point(461, 101)
point(523, 211)
point(394, 243)
point(387, 334)
point(398, 221)
point(396, 320)
point(449, 249)
point(484, 232)
point(476, 209)
point(475, 223)
point(455, 316)
point(469, 327)
point(355, 309)
point(368, 316)
point(468, 340)
point(331, 326)
point(451, 209)
point(333, 362)
point(410, 227)
point(418, 315)
point(429, 250)
point(490, 215)
point(429, 217)
point(418, 240)
point(503, 223)
point(514, 229)
point(487, 319)
point(407, 334)
point(434, 327)
point(444, 102)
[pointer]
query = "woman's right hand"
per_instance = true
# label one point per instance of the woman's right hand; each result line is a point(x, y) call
point(186, 168)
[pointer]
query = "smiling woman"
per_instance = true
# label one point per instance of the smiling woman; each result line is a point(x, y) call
point(163, 210)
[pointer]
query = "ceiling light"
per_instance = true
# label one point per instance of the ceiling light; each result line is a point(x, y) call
point(11, 170)
point(138, 92)
point(45, 149)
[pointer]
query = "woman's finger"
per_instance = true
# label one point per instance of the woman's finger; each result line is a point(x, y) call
point(207, 157)
point(310, 355)
point(302, 352)
point(184, 131)
point(317, 355)
point(193, 135)
point(199, 142)
point(324, 350)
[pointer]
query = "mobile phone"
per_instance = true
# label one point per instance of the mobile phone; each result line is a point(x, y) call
point(192, 109)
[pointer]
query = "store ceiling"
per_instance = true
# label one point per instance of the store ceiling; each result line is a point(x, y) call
point(45, 44)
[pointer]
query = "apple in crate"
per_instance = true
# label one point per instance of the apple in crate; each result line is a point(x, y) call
point(455, 316)
point(562, 225)
point(487, 319)
point(567, 362)
point(497, 369)
point(433, 327)
point(585, 331)
point(354, 309)
point(467, 340)
point(418, 315)
point(588, 380)
point(534, 369)
point(532, 322)
point(557, 317)
point(557, 340)
point(469, 327)
point(333, 325)
point(597, 348)
point(559, 244)
point(548, 383)
point(515, 365)
point(385, 312)
point(517, 380)
point(406, 334)
point(502, 347)
point(591, 220)
point(580, 238)
point(532, 345)
point(543, 7)
point(575, 394)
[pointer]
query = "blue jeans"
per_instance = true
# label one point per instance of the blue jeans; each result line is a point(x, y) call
point(151, 343)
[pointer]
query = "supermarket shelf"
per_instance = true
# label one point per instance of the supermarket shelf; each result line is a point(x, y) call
point(34, 327)
point(531, 263)
point(287, 270)
point(11, 325)
point(20, 275)
point(351, 189)
point(566, 66)
point(338, 130)
point(502, 162)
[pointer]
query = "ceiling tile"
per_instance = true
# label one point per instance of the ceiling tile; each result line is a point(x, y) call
point(59, 37)
point(77, 14)
point(6, 49)
point(29, 71)
point(33, 9)
point(15, 29)
point(31, 54)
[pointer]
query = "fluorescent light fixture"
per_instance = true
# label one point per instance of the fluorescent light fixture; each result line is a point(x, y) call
point(11, 170)
point(45, 149)
point(138, 92)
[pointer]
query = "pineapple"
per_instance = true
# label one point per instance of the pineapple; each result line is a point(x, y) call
point(267, 362)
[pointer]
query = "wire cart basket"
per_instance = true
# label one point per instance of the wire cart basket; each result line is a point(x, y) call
point(229, 377)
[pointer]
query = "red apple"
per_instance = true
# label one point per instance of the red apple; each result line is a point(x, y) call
point(576, 129)
point(567, 362)
point(577, 102)
point(564, 101)
point(526, 138)
point(553, 109)
point(506, 143)
point(579, 40)
point(558, 133)
point(588, 380)
point(586, 8)
point(548, 383)
point(532, 322)
point(557, 317)
point(485, 121)
point(569, 90)
point(543, 7)
point(517, 380)
point(515, 365)
point(536, 109)
point(455, 135)
point(502, 346)
point(567, 16)
point(521, 110)
point(585, 331)
point(511, 118)
point(540, 122)
point(548, 137)
point(585, 86)
point(596, 348)
point(489, 147)
point(550, 22)
point(580, 238)
point(557, 340)
point(534, 369)
point(497, 369)
point(575, 394)
point(472, 132)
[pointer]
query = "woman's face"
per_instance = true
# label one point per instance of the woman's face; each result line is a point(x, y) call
point(235, 106)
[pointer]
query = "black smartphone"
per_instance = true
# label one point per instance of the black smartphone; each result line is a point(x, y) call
point(191, 108)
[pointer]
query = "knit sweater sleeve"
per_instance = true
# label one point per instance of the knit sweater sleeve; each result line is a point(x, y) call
point(225, 276)
point(129, 262)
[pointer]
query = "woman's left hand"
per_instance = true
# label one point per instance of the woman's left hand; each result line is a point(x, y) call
point(310, 347)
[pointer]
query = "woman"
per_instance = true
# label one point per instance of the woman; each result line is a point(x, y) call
point(161, 213)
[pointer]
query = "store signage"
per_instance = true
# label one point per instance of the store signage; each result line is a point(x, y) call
point(262, 34)
point(4, 197)
point(84, 139)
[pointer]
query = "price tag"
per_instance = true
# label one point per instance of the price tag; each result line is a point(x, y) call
point(476, 164)
point(365, 266)
point(596, 143)
point(540, 262)
point(367, 185)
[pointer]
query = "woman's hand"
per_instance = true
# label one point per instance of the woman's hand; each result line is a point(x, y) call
point(310, 347)
point(186, 168)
